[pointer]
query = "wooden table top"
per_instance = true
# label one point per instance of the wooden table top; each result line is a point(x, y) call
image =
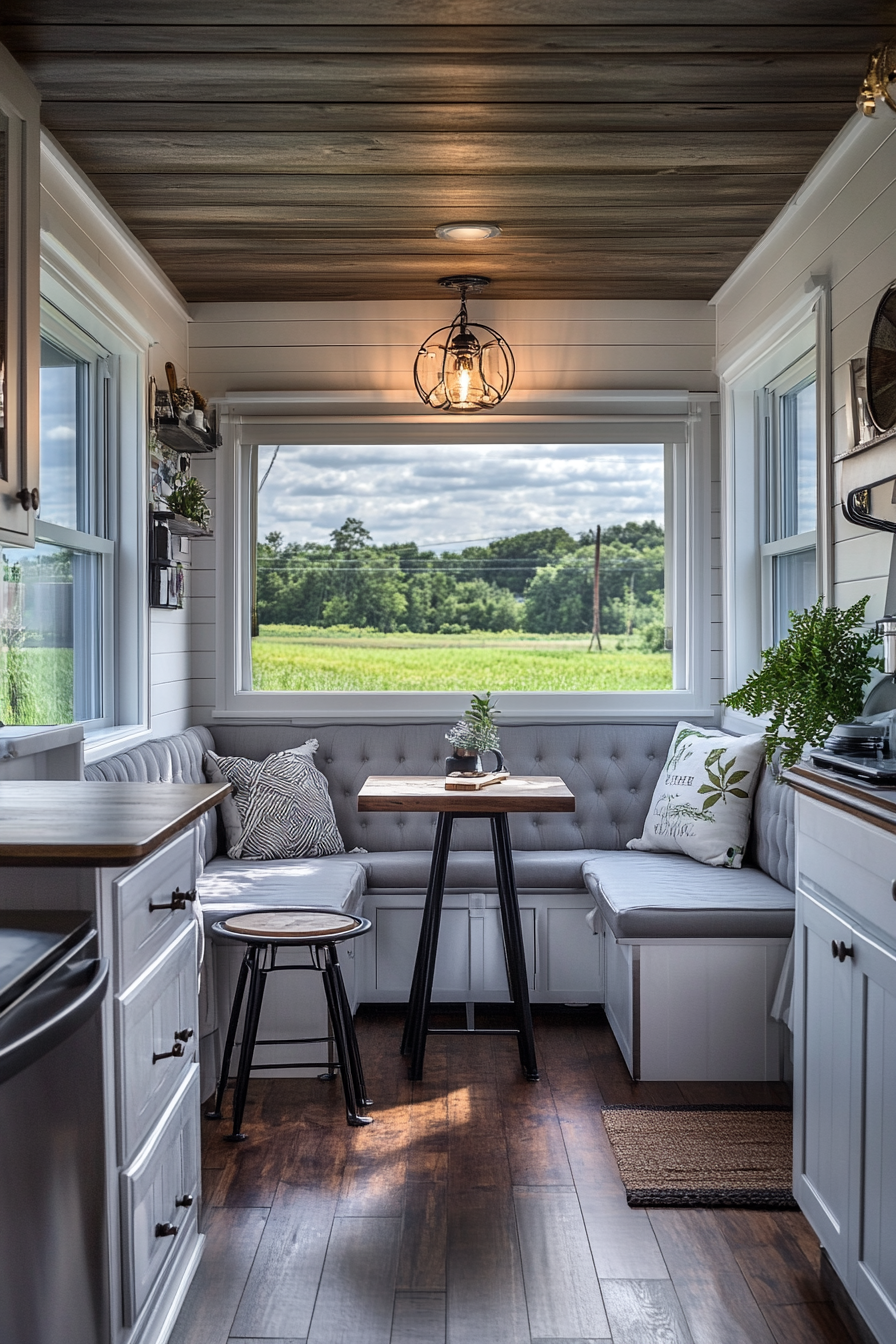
point(71, 823)
point(427, 793)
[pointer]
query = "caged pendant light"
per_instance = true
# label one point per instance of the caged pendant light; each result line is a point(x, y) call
point(467, 366)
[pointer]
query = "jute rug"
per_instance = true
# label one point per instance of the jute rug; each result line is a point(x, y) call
point(703, 1156)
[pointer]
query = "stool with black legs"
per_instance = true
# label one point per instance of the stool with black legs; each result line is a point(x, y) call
point(265, 933)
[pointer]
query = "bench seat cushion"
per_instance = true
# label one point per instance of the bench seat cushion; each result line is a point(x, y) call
point(672, 896)
point(230, 885)
point(474, 869)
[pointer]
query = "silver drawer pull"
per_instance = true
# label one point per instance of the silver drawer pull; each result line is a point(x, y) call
point(167, 1230)
point(178, 900)
point(185, 1202)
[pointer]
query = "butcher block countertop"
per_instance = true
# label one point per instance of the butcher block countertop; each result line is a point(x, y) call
point(95, 824)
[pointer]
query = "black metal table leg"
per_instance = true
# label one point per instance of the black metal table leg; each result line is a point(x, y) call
point(438, 864)
point(424, 971)
point(247, 1049)
point(215, 1114)
point(513, 943)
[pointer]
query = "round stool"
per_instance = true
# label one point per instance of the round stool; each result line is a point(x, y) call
point(264, 933)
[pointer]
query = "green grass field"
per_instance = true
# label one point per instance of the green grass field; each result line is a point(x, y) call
point(300, 658)
point(36, 686)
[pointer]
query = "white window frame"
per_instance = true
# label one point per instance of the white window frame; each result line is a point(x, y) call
point(771, 493)
point(685, 428)
point(801, 324)
point(82, 310)
point(96, 425)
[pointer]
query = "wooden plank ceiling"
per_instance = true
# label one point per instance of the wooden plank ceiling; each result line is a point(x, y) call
point(290, 149)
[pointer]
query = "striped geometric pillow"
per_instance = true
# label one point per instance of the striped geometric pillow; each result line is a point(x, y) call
point(283, 804)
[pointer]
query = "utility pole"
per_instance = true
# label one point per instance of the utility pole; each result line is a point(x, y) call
point(595, 625)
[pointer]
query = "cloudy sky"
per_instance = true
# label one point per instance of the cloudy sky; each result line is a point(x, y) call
point(442, 498)
point(58, 436)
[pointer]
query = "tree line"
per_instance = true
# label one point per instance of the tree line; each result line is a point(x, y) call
point(540, 582)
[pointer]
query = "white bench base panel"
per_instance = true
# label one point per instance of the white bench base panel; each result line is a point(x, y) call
point(697, 1010)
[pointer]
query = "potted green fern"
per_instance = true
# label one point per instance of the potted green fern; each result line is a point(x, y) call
point(812, 680)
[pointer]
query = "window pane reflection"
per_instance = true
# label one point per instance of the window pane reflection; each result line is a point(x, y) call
point(64, 488)
point(50, 602)
point(795, 587)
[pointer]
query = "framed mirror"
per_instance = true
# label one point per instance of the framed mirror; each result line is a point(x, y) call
point(880, 366)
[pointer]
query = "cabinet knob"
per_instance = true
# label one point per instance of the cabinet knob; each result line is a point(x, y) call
point(178, 900)
point(183, 1035)
point(175, 1052)
point(167, 1230)
point(185, 1202)
point(29, 499)
point(840, 950)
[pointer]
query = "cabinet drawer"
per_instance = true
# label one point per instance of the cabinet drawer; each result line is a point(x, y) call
point(142, 933)
point(160, 1188)
point(852, 858)
point(163, 1002)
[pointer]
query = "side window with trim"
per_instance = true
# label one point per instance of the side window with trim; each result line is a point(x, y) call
point(57, 600)
point(789, 494)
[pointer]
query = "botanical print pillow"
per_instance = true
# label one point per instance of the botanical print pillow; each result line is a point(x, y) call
point(703, 799)
point(282, 806)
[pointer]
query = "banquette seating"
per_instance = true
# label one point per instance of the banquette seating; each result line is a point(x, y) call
point(684, 957)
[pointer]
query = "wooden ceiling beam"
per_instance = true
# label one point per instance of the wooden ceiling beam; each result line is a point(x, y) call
point(445, 254)
point(288, 13)
point(437, 193)
point(426, 38)
point(322, 152)
point(569, 77)
point(461, 118)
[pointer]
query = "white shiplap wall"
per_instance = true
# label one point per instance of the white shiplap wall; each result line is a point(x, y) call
point(562, 346)
point(361, 346)
point(87, 251)
point(840, 225)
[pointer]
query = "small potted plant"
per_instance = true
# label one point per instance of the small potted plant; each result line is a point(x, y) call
point(475, 732)
point(187, 497)
point(812, 680)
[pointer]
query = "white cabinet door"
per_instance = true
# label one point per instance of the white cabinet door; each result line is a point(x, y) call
point(157, 1025)
point(494, 961)
point(822, 1054)
point(160, 1197)
point(874, 1161)
point(397, 932)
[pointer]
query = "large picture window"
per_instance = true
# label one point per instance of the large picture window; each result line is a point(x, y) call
point(55, 599)
point(397, 568)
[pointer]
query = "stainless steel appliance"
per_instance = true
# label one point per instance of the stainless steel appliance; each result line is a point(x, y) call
point(53, 1256)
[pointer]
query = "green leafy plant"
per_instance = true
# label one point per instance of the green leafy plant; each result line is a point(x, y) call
point(813, 679)
point(477, 730)
point(187, 497)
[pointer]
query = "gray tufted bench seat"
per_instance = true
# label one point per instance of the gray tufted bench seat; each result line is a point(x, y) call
point(566, 865)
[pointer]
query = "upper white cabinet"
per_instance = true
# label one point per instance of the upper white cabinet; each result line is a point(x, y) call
point(19, 303)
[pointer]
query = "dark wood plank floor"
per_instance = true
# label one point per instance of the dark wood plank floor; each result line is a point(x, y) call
point(482, 1207)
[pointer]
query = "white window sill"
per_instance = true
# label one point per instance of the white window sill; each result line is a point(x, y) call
point(102, 742)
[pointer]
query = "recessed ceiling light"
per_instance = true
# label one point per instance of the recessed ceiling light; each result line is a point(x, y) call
point(467, 232)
